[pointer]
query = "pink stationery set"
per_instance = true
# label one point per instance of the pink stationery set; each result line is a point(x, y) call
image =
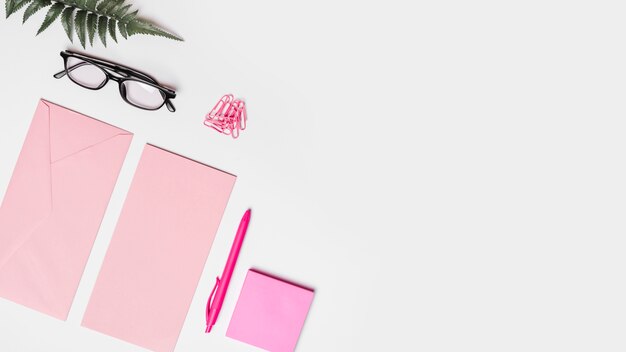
point(51, 214)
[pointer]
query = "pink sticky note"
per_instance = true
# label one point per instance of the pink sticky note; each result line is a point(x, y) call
point(270, 313)
point(158, 251)
point(54, 205)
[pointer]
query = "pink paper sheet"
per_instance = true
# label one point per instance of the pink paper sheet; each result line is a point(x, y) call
point(158, 250)
point(54, 205)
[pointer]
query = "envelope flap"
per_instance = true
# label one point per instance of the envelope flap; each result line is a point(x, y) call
point(71, 132)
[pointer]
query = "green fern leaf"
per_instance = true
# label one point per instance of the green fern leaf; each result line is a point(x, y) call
point(112, 23)
point(91, 5)
point(12, 6)
point(122, 11)
point(88, 17)
point(102, 29)
point(92, 22)
point(8, 7)
point(138, 26)
point(101, 5)
point(80, 23)
point(67, 20)
point(34, 7)
point(117, 7)
point(122, 28)
point(112, 6)
point(54, 12)
point(129, 16)
point(105, 5)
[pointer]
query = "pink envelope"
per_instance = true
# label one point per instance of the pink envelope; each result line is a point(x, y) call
point(158, 251)
point(54, 204)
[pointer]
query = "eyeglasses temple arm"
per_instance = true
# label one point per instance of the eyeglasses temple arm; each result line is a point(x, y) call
point(59, 74)
point(170, 105)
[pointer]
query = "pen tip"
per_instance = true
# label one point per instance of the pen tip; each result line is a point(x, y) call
point(248, 212)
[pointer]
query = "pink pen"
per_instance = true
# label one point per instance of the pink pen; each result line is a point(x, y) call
point(214, 304)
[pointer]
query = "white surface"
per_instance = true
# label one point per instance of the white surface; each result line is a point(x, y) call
point(448, 176)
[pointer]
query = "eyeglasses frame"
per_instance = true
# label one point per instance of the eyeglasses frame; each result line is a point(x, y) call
point(126, 73)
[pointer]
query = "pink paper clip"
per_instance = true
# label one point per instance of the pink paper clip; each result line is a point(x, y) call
point(228, 116)
point(223, 103)
point(243, 116)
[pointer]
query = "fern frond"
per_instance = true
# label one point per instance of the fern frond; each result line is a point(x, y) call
point(12, 6)
point(54, 12)
point(8, 7)
point(102, 29)
point(92, 22)
point(139, 26)
point(112, 23)
point(122, 11)
point(91, 5)
point(34, 7)
point(129, 16)
point(66, 20)
point(80, 24)
point(88, 17)
point(112, 6)
point(121, 26)
point(101, 5)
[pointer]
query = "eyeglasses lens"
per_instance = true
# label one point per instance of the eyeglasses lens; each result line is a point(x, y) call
point(143, 95)
point(85, 74)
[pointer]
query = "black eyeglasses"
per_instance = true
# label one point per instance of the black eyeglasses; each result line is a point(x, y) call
point(137, 88)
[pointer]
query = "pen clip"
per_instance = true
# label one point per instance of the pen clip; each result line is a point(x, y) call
point(210, 301)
